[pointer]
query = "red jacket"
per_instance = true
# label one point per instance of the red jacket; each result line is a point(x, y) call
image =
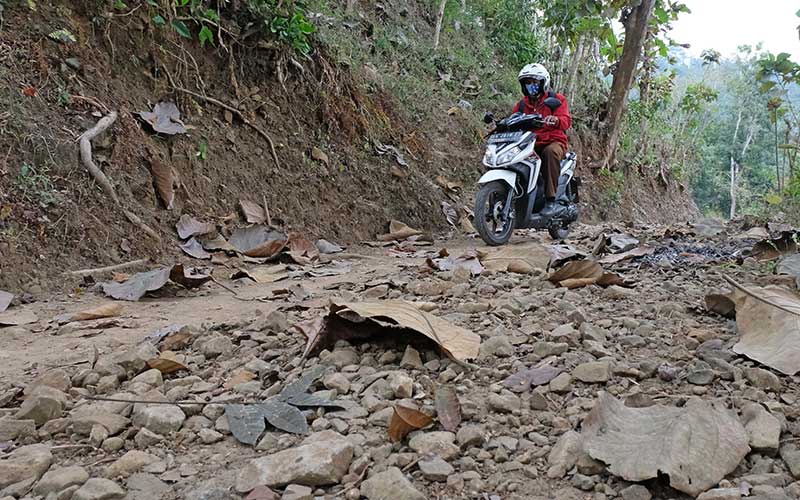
point(549, 134)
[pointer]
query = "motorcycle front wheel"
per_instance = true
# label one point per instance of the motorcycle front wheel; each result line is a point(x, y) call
point(489, 208)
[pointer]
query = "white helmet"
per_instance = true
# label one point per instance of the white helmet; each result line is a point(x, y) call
point(536, 72)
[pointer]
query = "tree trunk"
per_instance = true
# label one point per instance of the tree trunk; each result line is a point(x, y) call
point(733, 189)
point(439, 19)
point(577, 55)
point(635, 32)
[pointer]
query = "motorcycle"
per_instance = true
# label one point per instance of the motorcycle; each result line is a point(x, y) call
point(512, 191)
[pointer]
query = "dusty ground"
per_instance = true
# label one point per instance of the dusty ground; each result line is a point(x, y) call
point(652, 343)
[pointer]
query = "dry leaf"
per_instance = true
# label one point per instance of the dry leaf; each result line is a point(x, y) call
point(771, 249)
point(164, 119)
point(468, 260)
point(524, 380)
point(262, 274)
point(696, 445)
point(448, 407)
point(560, 254)
point(350, 320)
point(176, 341)
point(120, 277)
point(258, 241)
point(165, 181)
point(582, 273)
point(788, 265)
point(630, 254)
point(165, 364)
point(5, 300)
point(522, 259)
point(240, 377)
point(188, 226)
point(768, 322)
point(253, 212)
point(326, 247)
point(319, 155)
point(721, 304)
point(193, 248)
point(190, 277)
point(405, 420)
point(109, 310)
point(399, 231)
point(302, 250)
point(138, 285)
point(617, 243)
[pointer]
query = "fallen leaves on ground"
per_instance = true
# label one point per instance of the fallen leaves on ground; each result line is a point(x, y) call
point(696, 445)
point(320, 155)
point(188, 226)
point(768, 322)
point(630, 254)
point(302, 250)
point(521, 259)
point(5, 300)
point(560, 254)
point(253, 212)
point(404, 420)
point(523, 381)
point(164, 119)
point(193, 248)
point(789, 265)
point(326, 247)
point(399, 231)
point(240, 377)
point(258, 241)
point(581, 273)
point(262, 274)
point(165, 181)
point(109, 310)
point(468, 260)
point(216, 243)
point(771, 249)
point(190, 277)
point(166, 363)
point(139, 284)
point(722, 304)
point(450, 214)
point(362, 320)
point(618, 243)
point(448, 407)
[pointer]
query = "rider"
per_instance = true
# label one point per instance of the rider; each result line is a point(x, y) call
point(551, 140)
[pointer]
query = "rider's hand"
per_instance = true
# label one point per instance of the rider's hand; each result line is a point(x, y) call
point(551, 120)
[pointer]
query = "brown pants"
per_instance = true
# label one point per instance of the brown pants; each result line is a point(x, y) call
point(551, 155)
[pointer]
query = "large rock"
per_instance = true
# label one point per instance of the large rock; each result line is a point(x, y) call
point(763, 379)
point(636, 492)
point(99, 489)
point(43, 405)
point(25, 463)
point(505, 402)
point(130, 463)
point(58, 479)
point(135, 359)
point(762, 427)
point(323, 458)
point(497, 346)
point(390, 485)
point(564, 454)
point(435, 443)
point(159, 418)
point(57, 379)
point(11, 428)
point(790, 454)
point(84, 419)
point(595, 372)
point(721, 494)
point(435, 469)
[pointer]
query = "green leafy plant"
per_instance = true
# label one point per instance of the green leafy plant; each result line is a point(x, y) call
point(37, 186)
point(288, 20)
point(202, 151)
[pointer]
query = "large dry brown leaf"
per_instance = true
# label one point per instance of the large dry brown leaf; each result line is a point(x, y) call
point(138, 285)
point(768, 321)
point(240, 377)
point(697, 445)
point(258, 241)
point(366, 319)
point(771, 249)
point(166, 363)
point(190, 277)
point(560, 254)
point(630, 254)
point(164, 119)
point(618, 243)
point(216, 243)
point(404, 420)
point(302, 250)
point(521, 259)
point(721, 304)
point(788, 265)
point(5, 300)
point(165, 180)
point(448, 407)
point(399, 231)
point(263, 274)
point(468, 260)
point(188, 226)
point(253, 212)
point(109, 310)
point(578, 270)
point(193, 248)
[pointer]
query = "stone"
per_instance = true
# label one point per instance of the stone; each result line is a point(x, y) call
point(545, 349)
point(146, 438)
point(144, 486)
point(341, 358)
point(98, 435)
point(216, 346)
point(135, 359)
point(402, 385)
point(435, 443)
point(57, 479)
point(159, 418)
point(297, 492)
point(84, 419)
point(337, 382)
point(26, 463)
point(113, 444)
point(57, 379)
point(12, 428)
point(435, 469)
point(411, 359)
point(538, 401)
point(99, 489)
point(208, 436)
point(40, 408)
point(130, 463)
point(790, 454)
point(635, 492)
point(323, 458)
point(562, 383)
point(275, 321)
point(700, 374)
point(505, 402)
point(564, 454)
point(151, 377)
point(762, 427)
point(763, 379)
point(721, 494)
point(497, 346)
point(390, 485)
point(594, 372)
point(582, 482)
point(471, 435)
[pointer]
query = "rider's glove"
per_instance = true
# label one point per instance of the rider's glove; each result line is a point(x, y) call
point(551, 120)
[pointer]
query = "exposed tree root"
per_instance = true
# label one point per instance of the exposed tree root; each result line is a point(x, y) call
point(108, 269)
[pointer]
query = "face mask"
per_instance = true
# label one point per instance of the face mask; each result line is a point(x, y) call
point(533, 88)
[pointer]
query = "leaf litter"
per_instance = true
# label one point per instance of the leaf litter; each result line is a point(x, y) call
point(188, 227)
point(138, 285)
point(448, 407)
point(164, 119)
point(5, 300)
point(582, 273)
point(468, 260)
point(405, 420)
point(522, 381)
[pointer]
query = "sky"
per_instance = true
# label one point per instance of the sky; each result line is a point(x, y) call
point(725, 24)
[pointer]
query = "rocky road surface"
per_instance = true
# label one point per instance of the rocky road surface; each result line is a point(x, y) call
point(633, 388)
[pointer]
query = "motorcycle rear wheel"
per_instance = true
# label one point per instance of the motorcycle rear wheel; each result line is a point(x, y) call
point(489, 205)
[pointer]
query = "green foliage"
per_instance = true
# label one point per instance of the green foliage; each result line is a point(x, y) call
point(287, 20)
point(697, 94)
point(511, 28)
point(36, 185)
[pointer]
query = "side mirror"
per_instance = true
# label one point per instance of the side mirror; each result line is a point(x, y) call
point(488, 118)
point(553, 103)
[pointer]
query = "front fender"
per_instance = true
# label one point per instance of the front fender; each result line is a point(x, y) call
point(498, 174)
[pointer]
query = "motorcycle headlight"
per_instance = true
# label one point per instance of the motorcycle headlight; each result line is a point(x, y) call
point(509, 155)
point(488, 157)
